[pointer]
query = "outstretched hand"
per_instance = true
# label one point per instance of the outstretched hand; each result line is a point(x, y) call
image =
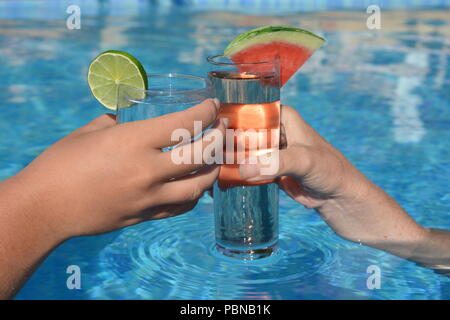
point(317, 175)
point(104, 176)
point(310, 170)
point(100, 178)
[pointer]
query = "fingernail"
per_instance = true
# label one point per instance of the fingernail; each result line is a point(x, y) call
point(224, 121)
point(216, 103)
point(248, 171)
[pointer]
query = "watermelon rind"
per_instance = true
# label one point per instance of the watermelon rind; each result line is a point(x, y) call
point(267, 34)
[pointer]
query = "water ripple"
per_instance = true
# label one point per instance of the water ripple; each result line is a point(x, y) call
point(176, 259)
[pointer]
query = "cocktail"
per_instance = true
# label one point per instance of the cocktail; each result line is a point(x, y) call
point(246, 213)
point(119, 82)
point(247, 79)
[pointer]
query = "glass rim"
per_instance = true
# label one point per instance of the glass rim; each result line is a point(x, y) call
point(169, 91)
point(211, 60)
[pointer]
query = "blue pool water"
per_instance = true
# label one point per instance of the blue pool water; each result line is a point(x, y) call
point(381, 96)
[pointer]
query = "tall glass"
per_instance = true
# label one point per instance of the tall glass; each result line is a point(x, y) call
point(168, 93)
point(246, 213)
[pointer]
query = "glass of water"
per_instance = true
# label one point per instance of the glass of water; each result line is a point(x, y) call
point(168, 93)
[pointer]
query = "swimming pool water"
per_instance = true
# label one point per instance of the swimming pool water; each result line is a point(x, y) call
point(382, 97)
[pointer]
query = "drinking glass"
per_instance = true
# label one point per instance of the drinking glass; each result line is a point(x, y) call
point(246, 213)
point(168, 93)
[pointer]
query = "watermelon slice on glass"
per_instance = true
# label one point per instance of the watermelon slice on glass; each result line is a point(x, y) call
point(293, 46)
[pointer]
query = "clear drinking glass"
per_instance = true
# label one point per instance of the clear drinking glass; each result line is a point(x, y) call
point(246, 213)
point(168, 93)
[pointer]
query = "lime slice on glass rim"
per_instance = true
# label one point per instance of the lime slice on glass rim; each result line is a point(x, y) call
point(111, 69)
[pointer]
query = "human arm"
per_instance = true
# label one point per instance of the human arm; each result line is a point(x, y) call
point(317, 175)
point(99, 178)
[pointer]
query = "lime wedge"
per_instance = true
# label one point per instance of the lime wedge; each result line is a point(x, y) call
point(111, 69)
